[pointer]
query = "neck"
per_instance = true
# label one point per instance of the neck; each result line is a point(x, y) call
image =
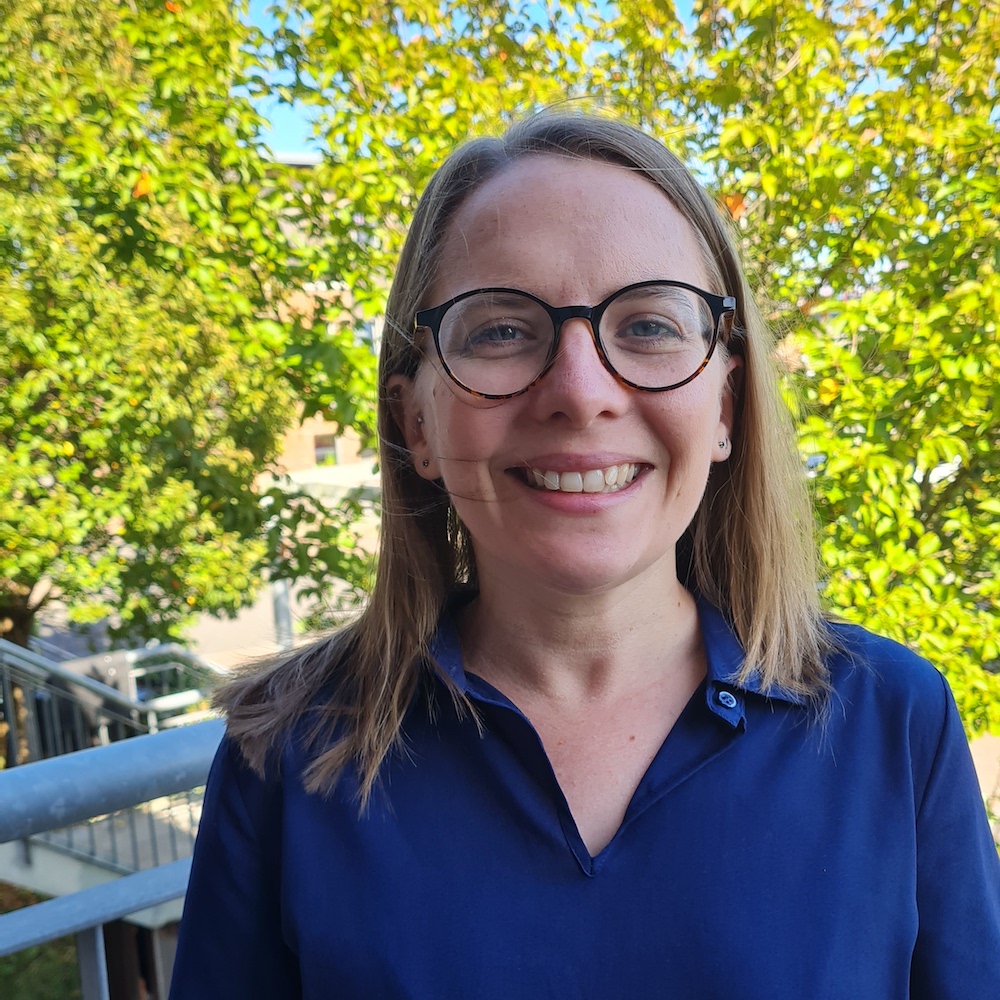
point(570, 646)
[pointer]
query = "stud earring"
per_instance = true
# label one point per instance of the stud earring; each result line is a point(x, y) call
point(724, 444)
point(420, 421)
point(425, 463)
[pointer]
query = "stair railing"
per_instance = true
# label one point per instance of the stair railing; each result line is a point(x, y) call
point(74, 787)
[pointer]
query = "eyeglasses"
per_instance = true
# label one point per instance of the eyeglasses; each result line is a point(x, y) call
point(653, 335)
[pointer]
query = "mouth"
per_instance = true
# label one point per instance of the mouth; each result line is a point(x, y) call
point(607, 480)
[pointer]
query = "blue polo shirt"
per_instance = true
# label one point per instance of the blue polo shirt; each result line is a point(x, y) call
point(764, 855)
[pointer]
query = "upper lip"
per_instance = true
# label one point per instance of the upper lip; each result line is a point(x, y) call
point(578, 463)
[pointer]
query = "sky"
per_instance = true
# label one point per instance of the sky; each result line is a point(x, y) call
point(291, 127)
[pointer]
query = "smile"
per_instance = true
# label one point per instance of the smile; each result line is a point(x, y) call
point(609, 480)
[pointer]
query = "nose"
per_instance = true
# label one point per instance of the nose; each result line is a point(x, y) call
point(578, 387)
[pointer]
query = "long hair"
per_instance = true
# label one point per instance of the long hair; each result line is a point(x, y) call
point(750, 549)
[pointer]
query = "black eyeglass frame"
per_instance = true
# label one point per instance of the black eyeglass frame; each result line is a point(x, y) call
point(720, 306)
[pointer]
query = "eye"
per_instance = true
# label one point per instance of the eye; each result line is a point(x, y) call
point(656, 319)
point(498, 339)
point(489, 326)
point(498, 333)
point(651, 327)
point(651, 334)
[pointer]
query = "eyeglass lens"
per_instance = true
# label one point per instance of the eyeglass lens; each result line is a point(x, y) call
point(499, 342)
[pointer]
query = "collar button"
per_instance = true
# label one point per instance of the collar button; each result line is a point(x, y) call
point(726, 699)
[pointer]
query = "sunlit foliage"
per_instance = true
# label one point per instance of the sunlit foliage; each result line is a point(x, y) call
point(855, 146)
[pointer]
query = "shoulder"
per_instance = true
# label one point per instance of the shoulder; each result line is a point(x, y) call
point(861, 657)
point(241, 806)
point(271, 706)
point(885, 693)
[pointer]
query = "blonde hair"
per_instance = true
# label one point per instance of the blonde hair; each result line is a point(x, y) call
point(750, 549)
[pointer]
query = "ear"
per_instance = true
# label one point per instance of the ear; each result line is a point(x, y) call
point(406, 411)
point(731, 390)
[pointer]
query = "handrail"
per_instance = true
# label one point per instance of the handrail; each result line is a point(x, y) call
point(43, 669)
point(49, 649)
point(47, 794)
point(74, 787)
point(92, 907)
point(173, 702)
point(176, 652)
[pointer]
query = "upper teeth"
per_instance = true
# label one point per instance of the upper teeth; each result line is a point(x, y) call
point(592, 481)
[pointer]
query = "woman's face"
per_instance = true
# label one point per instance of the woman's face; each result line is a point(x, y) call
point(570, 232)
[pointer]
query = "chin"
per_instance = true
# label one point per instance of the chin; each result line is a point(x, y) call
point(583, 575)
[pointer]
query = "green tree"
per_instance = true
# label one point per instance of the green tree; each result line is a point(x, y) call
point(393, 88)
point(145, 378)
point(872, 132)
point(856, 146)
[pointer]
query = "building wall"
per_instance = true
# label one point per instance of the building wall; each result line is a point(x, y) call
point(315, 438)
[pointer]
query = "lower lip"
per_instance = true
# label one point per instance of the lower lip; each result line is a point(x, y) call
point(581, 503)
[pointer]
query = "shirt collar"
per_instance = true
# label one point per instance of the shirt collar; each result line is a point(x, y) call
point(723, 652)
point(445, 648)
point(725, 655)
point(724, 695)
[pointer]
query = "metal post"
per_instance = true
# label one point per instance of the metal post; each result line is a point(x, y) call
point(171, 827)
point(48, 705)
point(136, 864)
point(283, 634)
point(10, 716)
point(93, 964)
point(111, 820)
point(82, 742)
point(192, 823)
point(152, 836)
point(32, 728)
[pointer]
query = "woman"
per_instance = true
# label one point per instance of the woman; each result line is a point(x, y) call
point(592, 737)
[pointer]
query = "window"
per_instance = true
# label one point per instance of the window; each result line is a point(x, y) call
point(325, 446)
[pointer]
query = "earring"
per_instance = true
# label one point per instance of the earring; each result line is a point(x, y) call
point(724, 444)
point(425, 463)
point(420, 421)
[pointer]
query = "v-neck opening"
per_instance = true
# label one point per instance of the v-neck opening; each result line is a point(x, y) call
point(695, 727)
point(660, 777)
point(711, 718)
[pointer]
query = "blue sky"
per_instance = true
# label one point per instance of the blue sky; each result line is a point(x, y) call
point(291, 127)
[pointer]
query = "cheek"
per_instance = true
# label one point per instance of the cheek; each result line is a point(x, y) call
point(463, 425)
point(687, 416)
point(466, 435)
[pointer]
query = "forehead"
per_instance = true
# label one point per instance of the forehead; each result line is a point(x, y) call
point(569, 230)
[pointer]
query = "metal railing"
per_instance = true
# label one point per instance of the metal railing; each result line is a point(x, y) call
point(75, 787)
point(134, 839)
point(50, 708)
